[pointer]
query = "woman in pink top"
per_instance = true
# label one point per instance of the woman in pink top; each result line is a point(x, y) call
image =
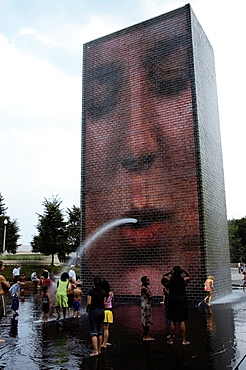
point(209, 287)
point(108, 314)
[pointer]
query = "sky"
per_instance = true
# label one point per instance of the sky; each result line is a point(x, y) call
point(41, 44)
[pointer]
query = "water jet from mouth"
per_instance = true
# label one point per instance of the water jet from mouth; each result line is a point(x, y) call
point(97, 234)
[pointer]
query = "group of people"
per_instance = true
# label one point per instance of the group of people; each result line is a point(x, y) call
point(99, 308)
point(68, 294)
point(65, 295)
point(174, 300)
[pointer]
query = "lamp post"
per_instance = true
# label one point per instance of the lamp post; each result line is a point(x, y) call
point(4, 233)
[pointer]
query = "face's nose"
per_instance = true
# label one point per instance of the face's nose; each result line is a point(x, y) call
point(138, 164)
point(140, 149)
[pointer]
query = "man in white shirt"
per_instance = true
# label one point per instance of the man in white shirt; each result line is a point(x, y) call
point(16, 271)
point(72, 273)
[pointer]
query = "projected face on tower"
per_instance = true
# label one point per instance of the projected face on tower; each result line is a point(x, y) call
point(139, 153)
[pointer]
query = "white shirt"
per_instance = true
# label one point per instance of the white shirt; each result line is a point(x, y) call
point(72, 274)
point(16, 271)
point(34, 276)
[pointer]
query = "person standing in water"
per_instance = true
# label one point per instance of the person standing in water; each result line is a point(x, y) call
point(146, 307)
point(77, 295)
point(96, 300)
point(15, 296)
point(108, 314)
point(61, 295)
point(209, 287)
point(45, 304)
point(177, 302)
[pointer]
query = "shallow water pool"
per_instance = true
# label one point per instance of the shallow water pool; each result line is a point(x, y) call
point(217, 337)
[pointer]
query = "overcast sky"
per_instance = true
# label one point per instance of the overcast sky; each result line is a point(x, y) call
point(40, 93)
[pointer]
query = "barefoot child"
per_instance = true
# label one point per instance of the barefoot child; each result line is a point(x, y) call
point(15, 295)
point(45, 304)
point(146, 307)
point(61, 300)
point(108, 314)
point(77, 295)
point(209, 287)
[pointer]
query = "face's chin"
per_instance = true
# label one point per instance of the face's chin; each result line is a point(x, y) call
point(126, 253)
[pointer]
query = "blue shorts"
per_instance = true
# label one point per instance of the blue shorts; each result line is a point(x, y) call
point(96, 322)
point(76, 305)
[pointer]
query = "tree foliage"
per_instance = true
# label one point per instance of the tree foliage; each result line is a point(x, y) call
point(237, 239)
point(55, 233)
point(73, 228)
point(10, 230)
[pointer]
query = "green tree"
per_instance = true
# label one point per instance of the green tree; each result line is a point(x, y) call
point(73, 228)
point(235, 242)
point(241, 225)
point(12, 236)
point(51, 238)
point(3, 209)
point(8, 230)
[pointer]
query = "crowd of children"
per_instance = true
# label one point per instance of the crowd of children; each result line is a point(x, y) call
point(66, 295)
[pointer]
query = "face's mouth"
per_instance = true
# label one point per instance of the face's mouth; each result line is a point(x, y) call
point(146, 217)
point(151, 230)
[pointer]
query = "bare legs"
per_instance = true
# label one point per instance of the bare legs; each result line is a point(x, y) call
point(182, 328)
point(64, 309)
point(45, 317)
point(172, 331)
point(208, 298)
point(96, 344)
point(146, 333)
point(105, 334)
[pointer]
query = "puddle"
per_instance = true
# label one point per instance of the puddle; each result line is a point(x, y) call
point(217, 337)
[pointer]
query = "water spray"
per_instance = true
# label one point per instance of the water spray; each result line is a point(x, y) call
point(98, 233)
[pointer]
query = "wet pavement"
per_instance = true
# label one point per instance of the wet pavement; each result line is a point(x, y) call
point(217, 335)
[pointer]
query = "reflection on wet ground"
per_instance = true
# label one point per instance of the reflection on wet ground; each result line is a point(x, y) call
point(216, 333)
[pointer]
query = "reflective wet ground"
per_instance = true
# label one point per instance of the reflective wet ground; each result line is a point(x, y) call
point(217, 336)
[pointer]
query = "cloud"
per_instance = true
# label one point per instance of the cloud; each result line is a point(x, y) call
point(35, 35)
point(32, 88)
point(38, 163)
point(40, 110)
point(27, 31)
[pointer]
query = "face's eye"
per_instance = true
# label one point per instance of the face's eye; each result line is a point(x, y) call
point(102, 88)
point(167, 66)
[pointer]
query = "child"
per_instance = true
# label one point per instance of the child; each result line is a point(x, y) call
point(77, 295)
point(108, 314)
point(244, 281)
point(71, 287)
point(45, 304)
point(209, 287)
point(15, 294)
point(61, 295)
point(146, 307)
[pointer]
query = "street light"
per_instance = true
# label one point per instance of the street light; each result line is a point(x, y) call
point(4, 233)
